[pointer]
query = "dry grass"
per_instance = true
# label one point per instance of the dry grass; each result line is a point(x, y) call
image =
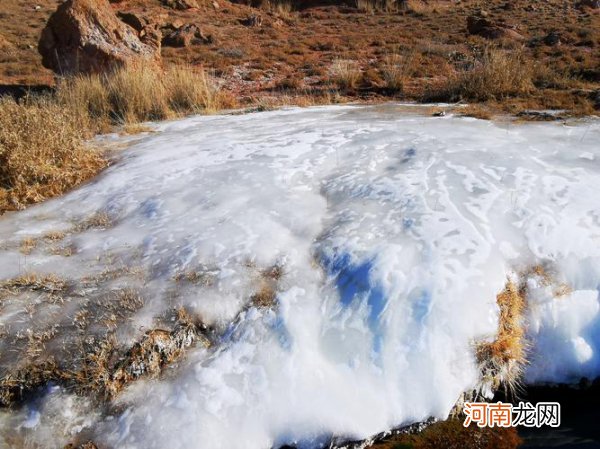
point(33, 282)
point(28, 244)
point(42, 152)
point(105, 369)
point(502, 360)
point(498, 74)
point(345, 74)
point(138, 94)
point(479, 111)
point(283, 8)
point(397, 69)
point(372, 6)
point(42, 139)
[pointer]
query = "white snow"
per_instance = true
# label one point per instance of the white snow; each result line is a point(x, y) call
point(395, 230)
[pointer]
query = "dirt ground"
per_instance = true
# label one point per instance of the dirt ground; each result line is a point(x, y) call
point(293, 47)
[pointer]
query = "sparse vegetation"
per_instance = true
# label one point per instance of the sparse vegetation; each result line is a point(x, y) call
point(345, 74)
point(396, 70)
point(105, 369)
point(502, 360)
point(497, 74)
point(42, 152)
point(133, 95)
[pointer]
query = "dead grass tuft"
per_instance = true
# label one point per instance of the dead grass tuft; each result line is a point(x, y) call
point(33, 282)
point(502, 360)
point(98, 220)
point(397, 69)
point(42, 152)
point(345, 74)
point(27, 245)
point(497, 74)
point(265, 296)
point(104, 369)
point(477, 111)
point(138, 94)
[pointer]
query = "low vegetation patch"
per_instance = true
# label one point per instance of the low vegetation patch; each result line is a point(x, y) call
point(134, 95)
point(105, 370)
point(345, 74)
point(43, 148)
point(42, 152)
point(496, 75)
point(501, 361)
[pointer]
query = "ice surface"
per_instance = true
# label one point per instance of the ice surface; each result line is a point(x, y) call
point(395, 232)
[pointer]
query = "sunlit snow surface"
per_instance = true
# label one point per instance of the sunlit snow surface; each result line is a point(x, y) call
point(395, 230)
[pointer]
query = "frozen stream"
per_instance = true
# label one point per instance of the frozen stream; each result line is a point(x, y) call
point(394, 232)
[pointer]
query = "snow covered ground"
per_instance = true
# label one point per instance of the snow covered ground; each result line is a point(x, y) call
point(394, 230)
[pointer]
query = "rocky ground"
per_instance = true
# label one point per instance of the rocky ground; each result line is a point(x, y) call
point(294, 48)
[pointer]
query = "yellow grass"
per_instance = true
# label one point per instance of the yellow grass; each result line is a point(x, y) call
point(42, 140)
point(42, 152)
point(497, 75)
point(138, 94)
point(346, 74)
point(502, 360)
point(397, 69)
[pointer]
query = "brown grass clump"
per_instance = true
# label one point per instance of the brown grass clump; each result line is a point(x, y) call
point(27, 245)
point(265, 296)
point(42, 152)
point(397, 69)
point(346, 74)
point(105, 370)
point(137, 94)
point(477, 111)
point(497, 74)
point(501, 361)
point(98, 220)
point(32, 282)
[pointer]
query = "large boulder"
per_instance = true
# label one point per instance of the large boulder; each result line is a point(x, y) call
point(86, 36)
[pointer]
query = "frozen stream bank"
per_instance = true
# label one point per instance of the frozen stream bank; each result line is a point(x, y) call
point(394, 233)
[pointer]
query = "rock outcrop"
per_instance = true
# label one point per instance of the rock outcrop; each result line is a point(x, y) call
point(86, 36)
point(185, 36)
point(484, 27)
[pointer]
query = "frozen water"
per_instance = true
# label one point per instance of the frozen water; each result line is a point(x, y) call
point(395, 232)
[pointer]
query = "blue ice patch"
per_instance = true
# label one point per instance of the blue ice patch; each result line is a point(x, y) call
point(353, 284)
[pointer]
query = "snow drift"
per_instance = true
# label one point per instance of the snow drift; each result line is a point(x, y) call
point(394, 232)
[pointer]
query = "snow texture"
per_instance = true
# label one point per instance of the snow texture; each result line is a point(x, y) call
point(395, 232)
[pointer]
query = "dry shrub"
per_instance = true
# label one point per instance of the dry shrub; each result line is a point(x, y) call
point(281, 7)
point(498, 74)
point(137, 94)
point(372, 6)
point(502, 360)
point(346, 74)
point(104, 369)
point(476, 111)
point(397, 69)
point(42, 152)
point(190, 90)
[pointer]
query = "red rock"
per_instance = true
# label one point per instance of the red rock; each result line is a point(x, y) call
point(484, 27)
point(86, 36)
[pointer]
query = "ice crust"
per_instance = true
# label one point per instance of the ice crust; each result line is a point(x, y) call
point(395, 232)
